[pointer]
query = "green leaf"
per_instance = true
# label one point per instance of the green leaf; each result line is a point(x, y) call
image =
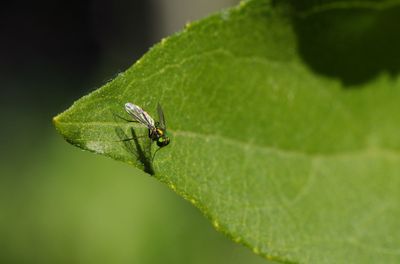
point(284, 126)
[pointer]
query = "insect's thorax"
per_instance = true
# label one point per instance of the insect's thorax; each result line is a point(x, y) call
point(155, 133)
point(159, 136)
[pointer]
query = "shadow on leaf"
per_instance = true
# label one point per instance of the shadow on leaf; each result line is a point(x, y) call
point(132, 145)
point(351, 44)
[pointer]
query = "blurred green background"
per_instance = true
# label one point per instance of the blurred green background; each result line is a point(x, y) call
point(59, 204)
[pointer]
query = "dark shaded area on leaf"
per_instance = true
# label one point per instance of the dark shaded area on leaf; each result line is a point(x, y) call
point(351, 44)
point(132, 145)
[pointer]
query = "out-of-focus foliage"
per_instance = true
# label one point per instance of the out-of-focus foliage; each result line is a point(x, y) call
point(60, 205)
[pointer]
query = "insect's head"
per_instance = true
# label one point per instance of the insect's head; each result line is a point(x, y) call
point(163, 141)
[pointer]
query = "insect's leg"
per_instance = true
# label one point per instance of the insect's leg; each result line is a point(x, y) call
point(127, 120)
point(129, 139)
point(154, 155)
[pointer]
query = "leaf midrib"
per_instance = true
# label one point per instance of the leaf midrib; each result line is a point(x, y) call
point(366, 151)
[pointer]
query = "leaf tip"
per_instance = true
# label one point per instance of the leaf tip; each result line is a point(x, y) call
point(55, 119)
point(57, 122)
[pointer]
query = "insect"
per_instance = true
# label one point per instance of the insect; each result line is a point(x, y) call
point(157, 130)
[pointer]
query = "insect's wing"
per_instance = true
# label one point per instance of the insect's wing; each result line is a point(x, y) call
point(161, 116)
point(139, 115)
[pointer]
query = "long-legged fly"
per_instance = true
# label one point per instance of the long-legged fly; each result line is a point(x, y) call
point(157, 130)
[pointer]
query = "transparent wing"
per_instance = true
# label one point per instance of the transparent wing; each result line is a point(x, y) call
point(139, 114)
point(161, 116)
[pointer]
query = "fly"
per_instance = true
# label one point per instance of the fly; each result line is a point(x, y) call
point(157, 130)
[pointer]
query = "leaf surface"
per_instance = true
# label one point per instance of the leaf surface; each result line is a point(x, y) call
point(284, 126)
